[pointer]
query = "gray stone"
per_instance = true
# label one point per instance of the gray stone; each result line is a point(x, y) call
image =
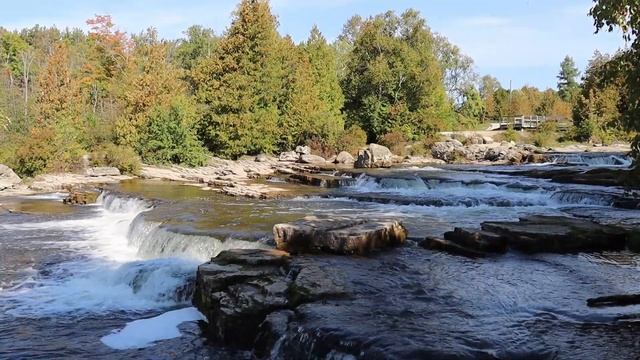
point(375, 156)
point(345, 158)
point(312, 159)
point(8, 178)
point(303, 150)
point(289, 156)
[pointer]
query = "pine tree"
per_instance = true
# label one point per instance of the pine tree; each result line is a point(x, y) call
point(568, 87)
point(242, 83)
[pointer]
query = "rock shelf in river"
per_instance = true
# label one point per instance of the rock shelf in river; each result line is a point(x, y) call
point(534, 234)
point(343, 236)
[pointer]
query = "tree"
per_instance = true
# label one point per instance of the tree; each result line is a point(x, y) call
point(394, 79)
point(458, 68)
point(568, 87)
point(612, 14)
point(170, 135)
point(200, 43)
point(489, 85)
point(472, 106)
point(241, 84)
point(151, 79)
point(323, 62)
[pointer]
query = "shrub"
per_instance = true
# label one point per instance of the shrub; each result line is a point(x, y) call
point(546, 134)
point(352, 139)
point(320, 147)
point(122, 157)
point(47, 149)
point(396, 141)
point(510, 135)
point(170, 136)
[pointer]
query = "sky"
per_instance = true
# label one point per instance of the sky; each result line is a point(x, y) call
point(517, 41)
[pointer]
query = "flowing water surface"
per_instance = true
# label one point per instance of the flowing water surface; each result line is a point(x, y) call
point(71, 277)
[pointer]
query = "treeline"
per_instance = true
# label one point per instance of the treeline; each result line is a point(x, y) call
point(122, 98)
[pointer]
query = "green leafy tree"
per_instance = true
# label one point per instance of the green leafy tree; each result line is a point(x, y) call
point(472, 107)
point(568, 86)
point(170, 135)
point(394, 79)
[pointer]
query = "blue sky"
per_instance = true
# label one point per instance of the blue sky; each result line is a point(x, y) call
point(518, 40)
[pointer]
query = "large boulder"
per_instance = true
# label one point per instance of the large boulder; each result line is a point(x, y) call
point(374, 156)
point(342, 236)
point(289, 156)
point(449, 151)
point(312, 159)
point(345, 158)
point(8, 178)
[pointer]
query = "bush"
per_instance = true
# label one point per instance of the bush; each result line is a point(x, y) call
point(546, 134)
point(396, 141)
point(47, 149)
point(122, 157)
point(510, 135)
point(320, 147)
point(170, 136)
point(352, 139)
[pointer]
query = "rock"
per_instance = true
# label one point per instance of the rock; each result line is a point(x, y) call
point(289, 156)
point(614, 300)
point(322, 180)
point(487, 140)
point(332, 159)
point(558, 234)
point(449, 151)
point(81, 198)
point(450, 247)
point(8, 178)
point(477, 240)
point(303, 150)
point(536, 158)
point(374, 156)
point(633, 241)
point(474, 139)
point(102, 171)
point(274, 327)
point(263, 158)
point(247, 295)
point(312, 159)
point(342, 236)
point(514, 156)
point(455, 142)
point(345, 158)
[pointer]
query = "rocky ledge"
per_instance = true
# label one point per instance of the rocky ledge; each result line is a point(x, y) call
point(251, 297)
point(535, 234)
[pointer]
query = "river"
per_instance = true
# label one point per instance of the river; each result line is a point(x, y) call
point(72, 277)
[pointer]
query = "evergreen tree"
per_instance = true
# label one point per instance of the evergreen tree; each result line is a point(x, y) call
point(241, 85)
point(568, 87)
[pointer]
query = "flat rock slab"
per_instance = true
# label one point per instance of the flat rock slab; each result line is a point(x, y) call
point(344, 236)
point(558, 234)
point(322, 180)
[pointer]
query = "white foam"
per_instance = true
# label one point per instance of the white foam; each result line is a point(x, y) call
point(145, 332)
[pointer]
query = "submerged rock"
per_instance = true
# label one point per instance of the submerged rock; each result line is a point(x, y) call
point(450, 247)
point(81, 197)
point(477, 240)
point(338, 235)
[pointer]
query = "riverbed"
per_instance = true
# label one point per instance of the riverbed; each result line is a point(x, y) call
point(75, 281)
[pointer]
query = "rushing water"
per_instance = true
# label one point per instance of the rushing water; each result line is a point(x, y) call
point(71, 276)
